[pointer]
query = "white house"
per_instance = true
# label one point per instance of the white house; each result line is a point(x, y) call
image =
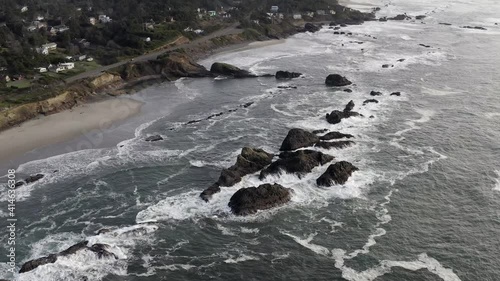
point(42, 51)
point(50, 46)
point(31, 28)
point(309, 14)
point(24, 9)
point(321, 12)
point(256, 21)
point(332, 12)
point(212, 13)
point(41, 69)
point(58, 29)
point(297, 16)
point(92, 20)
point(104, 19)
point(280, 16)
point(90, 59)
point(198, 31)
point(147, 39)
point(39, 18)
point(274, 9)
point(61, 67)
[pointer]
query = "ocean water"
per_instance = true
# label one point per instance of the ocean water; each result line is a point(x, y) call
point(424, 205)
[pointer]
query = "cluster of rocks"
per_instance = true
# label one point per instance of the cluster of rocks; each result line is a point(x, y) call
point(336, 116)
point(295, 158)
point(101, 251)
point(30, 179)
point(473, 27)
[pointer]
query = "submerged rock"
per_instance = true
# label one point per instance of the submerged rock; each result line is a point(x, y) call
point(349, 106)
point(370, 101)
point(348, 90)
point(387, 65)
point(474, 27)
point(251, 160)
point(400, 17)
point(298, 138)
point(247, 201)
point(101, 251)
point(335, 135)
point(30, 179)
point(287, 75)
point(299, 162)
point(396, 94)
point(337, 80)
point(154, 138)
point(337, 173)
point(375, 93)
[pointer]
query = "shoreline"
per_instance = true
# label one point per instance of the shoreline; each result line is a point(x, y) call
point(65, 125)
point(101, 114)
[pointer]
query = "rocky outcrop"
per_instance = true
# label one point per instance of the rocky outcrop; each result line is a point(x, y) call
point(30, 179)
point(344, 15)
point(298, 138)
point(337, 173)
point(334, 144)
point(387, 65)
point(370, 101)
point(400, 17)
point(375, 93)
point(228, 70)
point(299, 162)
point(287, 75)
point(336, 116)
point(181, 65)
point(309, 27)
point(397, 94)
point(337, 80)
point(101, 251)
point(473, 27)
point(154, 138)
point(335, 135)
point(251, 160)
point(320, 131)
point(247, 201)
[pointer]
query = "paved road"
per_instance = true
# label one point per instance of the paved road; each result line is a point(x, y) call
point(149, 56)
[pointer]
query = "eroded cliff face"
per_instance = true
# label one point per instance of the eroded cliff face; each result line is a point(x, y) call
point(68, 98)
point(104, 79)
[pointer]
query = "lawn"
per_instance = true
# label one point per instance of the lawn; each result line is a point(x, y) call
point(20, 84)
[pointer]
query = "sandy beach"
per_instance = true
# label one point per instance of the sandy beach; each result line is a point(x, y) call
point(65, 125)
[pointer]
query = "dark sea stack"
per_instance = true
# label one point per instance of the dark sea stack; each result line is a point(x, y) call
point(400, 17)
point(348, 90)
point(228, 70)
point(32, 264)
point(387, 65)
point(101, 251)
point(337, 80)
point(397, 94)
point(337, 173)
point(154, 138)
point(370, 101)
point(401, 60)
point(298, 138)
point(247, 201)
point(335, 135)
point(349, 107)
point(375, 93)
point(336, 116)
point(309, 27)
point(299, 162)
point(251, 160)
point(287, 75)
point(421, 17)
point(334, 144)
